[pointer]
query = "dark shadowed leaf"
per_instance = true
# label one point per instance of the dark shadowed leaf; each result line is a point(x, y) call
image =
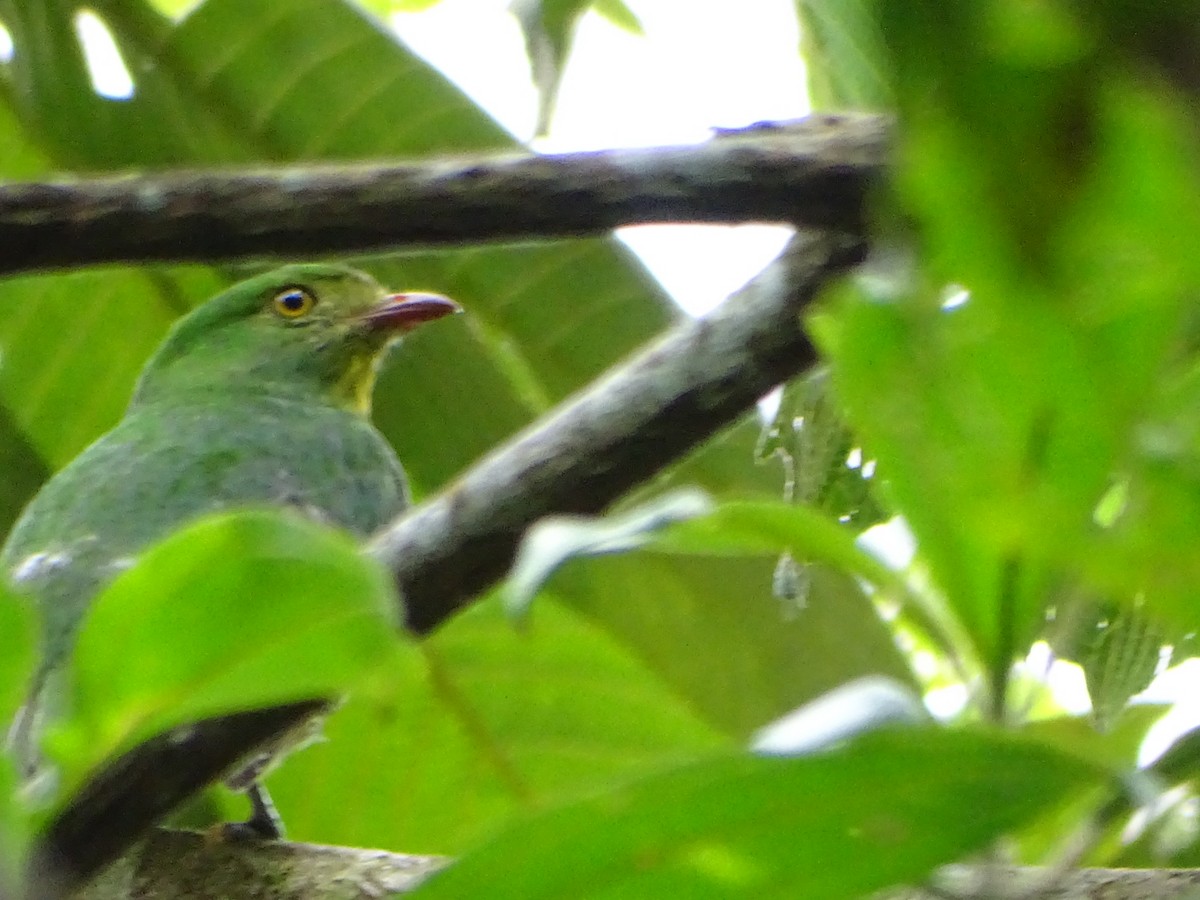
point(716, 632)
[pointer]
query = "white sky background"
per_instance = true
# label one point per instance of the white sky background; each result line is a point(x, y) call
point(699, 65)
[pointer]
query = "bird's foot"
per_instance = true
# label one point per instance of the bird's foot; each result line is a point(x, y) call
point(264, 823)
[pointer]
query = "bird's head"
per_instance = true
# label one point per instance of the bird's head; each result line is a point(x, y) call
point(307, 331)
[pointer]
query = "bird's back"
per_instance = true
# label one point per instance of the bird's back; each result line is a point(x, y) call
point(161, 467)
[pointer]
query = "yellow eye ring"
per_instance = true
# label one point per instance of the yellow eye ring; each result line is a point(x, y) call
point(293, 302)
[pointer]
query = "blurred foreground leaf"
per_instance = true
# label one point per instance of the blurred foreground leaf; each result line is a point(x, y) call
point(878, 812)
point(235, 612)
point(487, 722)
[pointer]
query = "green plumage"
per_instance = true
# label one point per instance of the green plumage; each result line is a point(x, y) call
point(260, 396)
point(165, 465)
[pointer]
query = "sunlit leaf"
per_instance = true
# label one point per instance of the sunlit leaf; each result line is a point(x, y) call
point(488, 721)
point(619, 13)
point(236, 612)
point(882, 811)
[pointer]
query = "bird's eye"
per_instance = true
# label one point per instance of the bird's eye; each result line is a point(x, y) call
point(293, 303)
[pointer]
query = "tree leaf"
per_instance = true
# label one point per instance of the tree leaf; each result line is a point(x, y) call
point(618, 13)
point(752, 527)
point(854, 708)
point(844, 55)
point(881, 811)
point(555, 539)
point(237, 611)
point(712, 629)
point(1001, 422)
point(549, 29)
point(1117, 747)
point(23, 469)
point(813, 442)
point(442, 748)
point(18, 642)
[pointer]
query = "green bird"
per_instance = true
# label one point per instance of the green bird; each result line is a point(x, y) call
point(260, 396)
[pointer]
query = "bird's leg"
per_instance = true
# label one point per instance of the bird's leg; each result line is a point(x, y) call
point(22, 739)
point(264, 823)
point(20, 742)
point(264, 817)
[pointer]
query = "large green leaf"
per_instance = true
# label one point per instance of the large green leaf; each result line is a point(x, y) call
point(238, 611)
point(19, 155)
point(489, 721)
point(78, 128)
point(956, 444)
point(882, 811)
point(58, 407)
point(700, 602)
point(715, 630)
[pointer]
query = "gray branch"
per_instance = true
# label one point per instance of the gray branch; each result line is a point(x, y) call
point(172, 864)
point(812, 173)
point(614, 435)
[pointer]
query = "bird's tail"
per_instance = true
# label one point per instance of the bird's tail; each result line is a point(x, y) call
point(137, 790)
